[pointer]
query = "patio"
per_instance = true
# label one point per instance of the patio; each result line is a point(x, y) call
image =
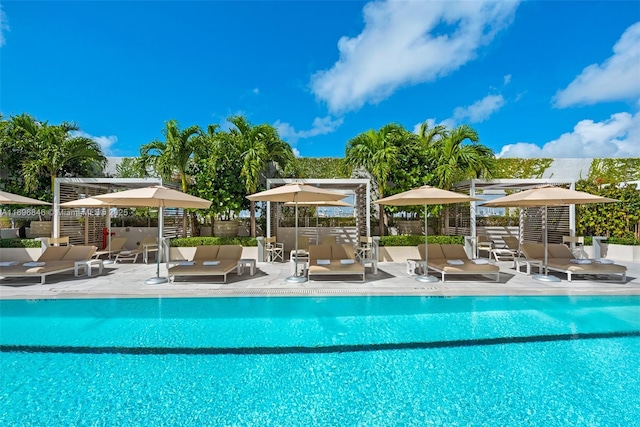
point(127, 281)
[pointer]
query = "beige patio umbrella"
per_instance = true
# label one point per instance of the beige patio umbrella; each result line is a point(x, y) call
point(14, 199)
point(155, 196)
point(296, 193)
point(426, 195)
point(546, 196)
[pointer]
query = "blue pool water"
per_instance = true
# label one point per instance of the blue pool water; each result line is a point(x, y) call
point(353, 361)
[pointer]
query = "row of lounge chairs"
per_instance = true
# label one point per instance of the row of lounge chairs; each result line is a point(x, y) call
point(53, 260)
point(324, 260)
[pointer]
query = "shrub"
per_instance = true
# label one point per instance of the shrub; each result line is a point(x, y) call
point(20, 243)
point(630, 241)
point(417, 240)
point(210, 241)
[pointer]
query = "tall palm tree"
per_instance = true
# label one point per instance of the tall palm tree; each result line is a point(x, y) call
point(454, 159)
point(172, 157)
point(378, 152)
point(261, 146)
point(53, 149)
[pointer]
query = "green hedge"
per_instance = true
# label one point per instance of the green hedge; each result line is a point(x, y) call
point(209, 241)
point(417, 240)
point(623, 241)
point(20, 243)
point(629, 241)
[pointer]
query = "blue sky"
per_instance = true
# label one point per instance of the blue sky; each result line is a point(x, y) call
point(534, 78)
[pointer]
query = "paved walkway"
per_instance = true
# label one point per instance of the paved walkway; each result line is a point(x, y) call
point(127, 280)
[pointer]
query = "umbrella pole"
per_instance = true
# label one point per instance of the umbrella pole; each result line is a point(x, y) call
point(545, 277)
point(295, 278)
point(425, 277)
point(158, 280)
point(108, 218)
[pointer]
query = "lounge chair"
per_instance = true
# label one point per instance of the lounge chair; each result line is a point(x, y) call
point(334, 260)
point(132, 255)
point(561, 259)
point(453, 260)
point(54, 259)
point(509, 251)
point(213, 260)
point(115, 245)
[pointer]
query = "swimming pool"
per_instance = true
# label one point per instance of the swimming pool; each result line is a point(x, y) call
point(378, 361)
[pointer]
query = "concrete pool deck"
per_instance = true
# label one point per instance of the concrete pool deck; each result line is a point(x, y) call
point(127, 281)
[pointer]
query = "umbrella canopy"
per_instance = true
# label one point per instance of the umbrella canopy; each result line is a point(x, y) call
point(547, 196)
point(87, 202)
point(154, 196)
point(425, 195)
point(334, 203)
point(297, 193)
point(14, 199)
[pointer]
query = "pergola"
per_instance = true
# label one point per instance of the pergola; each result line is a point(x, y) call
point(68, 189)
point(359, 188)
point(565, 215)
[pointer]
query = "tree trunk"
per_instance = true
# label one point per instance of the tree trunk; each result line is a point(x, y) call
point(53, 186)
point(253, 218)
point(382, 224)
point(183, 180)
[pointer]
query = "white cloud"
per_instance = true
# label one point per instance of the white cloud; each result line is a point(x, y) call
point(320, 126)
point(448, 123)
point(406, 43)
point(256, 90)
point(507, 79)
point(296, 152)
point(4, 26)
point(106, 142)
point(480, 110)
point(618, 78)
point(619, 136)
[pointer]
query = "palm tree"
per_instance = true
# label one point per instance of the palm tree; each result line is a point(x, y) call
point(172, 157)
point(260, 146)
point(453, 160)
point(52, 150)
point(378, 153)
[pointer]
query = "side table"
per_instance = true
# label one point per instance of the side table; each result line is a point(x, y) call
point(518, 262)
point(87, 265)
point(246, 262)
point(413, 264)
point(372, 261)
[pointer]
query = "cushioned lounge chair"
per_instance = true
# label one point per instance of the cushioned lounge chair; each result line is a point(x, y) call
point(452, 260)
point(54, 259)
point(334, 260)
point(211, 260)
point(132, 255)
point(560, 258)
point(115, 245)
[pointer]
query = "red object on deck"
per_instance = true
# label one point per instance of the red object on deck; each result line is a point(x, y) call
point(105, 233)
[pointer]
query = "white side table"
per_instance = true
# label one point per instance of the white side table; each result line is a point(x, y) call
point(87, 265)
point(372, 261)
point(149, 247)
point(246, 262)
point(528, 263)
point(413, 264)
